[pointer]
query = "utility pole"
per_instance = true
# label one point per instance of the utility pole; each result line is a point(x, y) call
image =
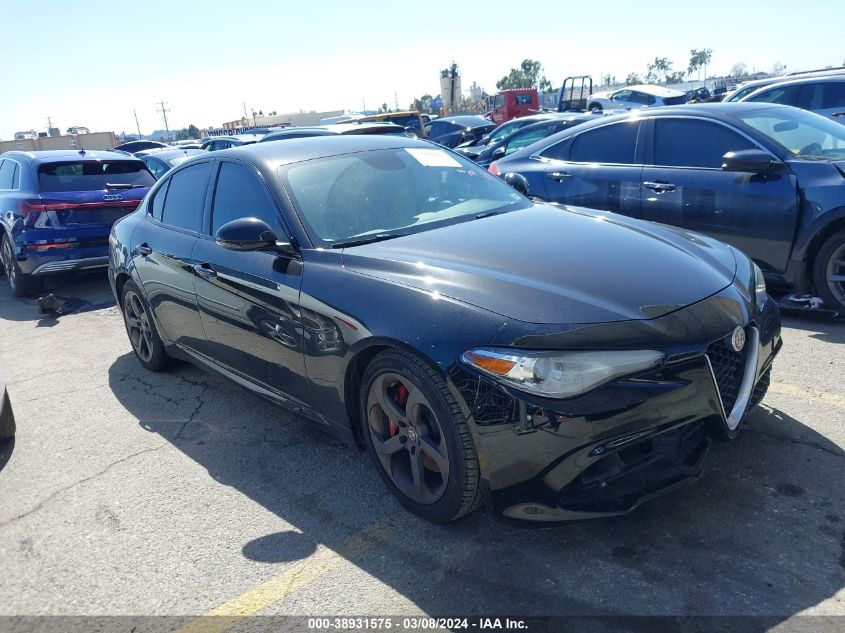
point(49, 125)
point(138, 125)
point(396, 100)
point(164, 110)
point(246, 116)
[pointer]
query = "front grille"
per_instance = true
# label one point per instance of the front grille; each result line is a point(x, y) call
point(728, 368)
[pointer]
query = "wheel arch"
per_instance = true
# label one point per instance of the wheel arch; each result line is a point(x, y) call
point(355, 369)
point(815, 243)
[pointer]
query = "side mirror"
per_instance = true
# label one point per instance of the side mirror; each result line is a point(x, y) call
point(754, 161)
point(498, 153)
point(246, 234)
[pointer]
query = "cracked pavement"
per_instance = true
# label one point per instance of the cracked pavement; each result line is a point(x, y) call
point(128, 492)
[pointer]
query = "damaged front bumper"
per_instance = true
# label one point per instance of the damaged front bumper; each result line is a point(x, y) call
point(610, 450)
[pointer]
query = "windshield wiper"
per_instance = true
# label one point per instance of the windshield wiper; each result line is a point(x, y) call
point(122, 185)
point(368, 239)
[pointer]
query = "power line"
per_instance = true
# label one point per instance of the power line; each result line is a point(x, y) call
point(164, 110)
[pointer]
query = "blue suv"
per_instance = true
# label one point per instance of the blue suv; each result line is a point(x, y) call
point(57, 209)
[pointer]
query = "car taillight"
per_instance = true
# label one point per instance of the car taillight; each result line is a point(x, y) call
point(29, 207)
point(494, 169)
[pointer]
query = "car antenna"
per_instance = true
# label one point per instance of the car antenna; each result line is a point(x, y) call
point(82, 151)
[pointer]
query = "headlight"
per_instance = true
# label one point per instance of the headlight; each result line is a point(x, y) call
point(759, 285)
point(559, 374)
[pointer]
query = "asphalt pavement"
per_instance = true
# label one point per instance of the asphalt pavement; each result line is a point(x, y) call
point(180, 494)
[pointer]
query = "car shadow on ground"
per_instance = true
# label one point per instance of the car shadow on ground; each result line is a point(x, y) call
point(7, 447)
point(826, 330)
point(79, 292)
point(761, 533)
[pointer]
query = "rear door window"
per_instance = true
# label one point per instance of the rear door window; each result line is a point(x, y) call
point(784, 95)
point(7, 173)
point(833, 95)
point(185, 198)
point(694, 143)
point(239, 193)
point(93, 175)
point(610, 144)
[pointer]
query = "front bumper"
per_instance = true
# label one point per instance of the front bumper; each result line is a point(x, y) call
point(610, 450)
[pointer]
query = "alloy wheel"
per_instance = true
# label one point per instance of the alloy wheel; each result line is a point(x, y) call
point(407, 438)
point(8, 263)
point(138, 325)
point(836, 274)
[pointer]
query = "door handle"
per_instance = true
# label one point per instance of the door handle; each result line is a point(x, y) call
point(557, 176)
point(660, 187)
point(205, 271)
point(144, 249)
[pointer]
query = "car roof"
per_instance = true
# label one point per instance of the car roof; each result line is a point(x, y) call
point(806, 80)
point(167, 154)
point(334, 128)
point(719, 111)
point(656, 91)
point(65, 155)
point(466, 120)
point(295, 150)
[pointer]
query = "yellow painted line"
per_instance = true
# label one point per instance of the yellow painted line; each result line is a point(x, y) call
point(785, 389)
point(320, 563)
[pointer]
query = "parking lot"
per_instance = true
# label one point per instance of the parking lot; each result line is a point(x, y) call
point(128, 492)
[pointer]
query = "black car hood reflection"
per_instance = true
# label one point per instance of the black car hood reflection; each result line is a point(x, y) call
point(548, 264)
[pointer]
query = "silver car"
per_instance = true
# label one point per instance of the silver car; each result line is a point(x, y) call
point(822, 95)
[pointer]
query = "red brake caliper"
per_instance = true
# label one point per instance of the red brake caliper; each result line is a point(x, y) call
point(400, 397)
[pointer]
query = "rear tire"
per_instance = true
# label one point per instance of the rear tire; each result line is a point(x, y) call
point(596, 107)
point(141, 329)
point(828, 268)
point(432, 431)
point(21, 283)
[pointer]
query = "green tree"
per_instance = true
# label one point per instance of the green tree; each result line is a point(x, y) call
point(528, 75)
point(193, 131)
point(699, 59)
point(675, 77)
point(633, 79)
point(658, 70)
point(423, 104)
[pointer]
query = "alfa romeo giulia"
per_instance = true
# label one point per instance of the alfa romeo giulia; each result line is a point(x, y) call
point(556, 363)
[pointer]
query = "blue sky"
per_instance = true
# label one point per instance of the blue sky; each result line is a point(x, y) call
point(92, 62)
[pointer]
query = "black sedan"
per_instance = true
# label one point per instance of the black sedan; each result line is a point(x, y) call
point(130, 147)
point(555, 363)
point(767, 179)
point(452, 131)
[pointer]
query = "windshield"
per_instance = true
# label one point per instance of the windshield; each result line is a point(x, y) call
point(804, 134)
point(93, 176)
point(401, 190)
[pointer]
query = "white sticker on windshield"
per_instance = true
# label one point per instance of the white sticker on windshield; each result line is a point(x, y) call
point(432, 157)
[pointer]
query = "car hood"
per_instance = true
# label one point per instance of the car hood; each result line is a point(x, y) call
point(550, 264)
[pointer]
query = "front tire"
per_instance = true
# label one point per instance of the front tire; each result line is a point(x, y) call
point(596, 107)
point(141, 329)
point(829, 272)
point(22, 284)
point(418, 437)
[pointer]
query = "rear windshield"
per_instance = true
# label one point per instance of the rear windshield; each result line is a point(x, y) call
point(675, 100)
point(94, 175)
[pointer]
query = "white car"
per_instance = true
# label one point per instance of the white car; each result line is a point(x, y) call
point(822, 95)
point(630, 97)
